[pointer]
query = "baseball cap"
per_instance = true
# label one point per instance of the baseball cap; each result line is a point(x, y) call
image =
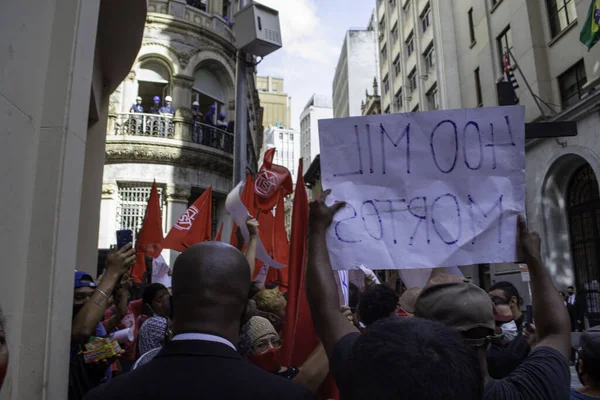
point(589, 344)
point(83, 279)
point(460, 305)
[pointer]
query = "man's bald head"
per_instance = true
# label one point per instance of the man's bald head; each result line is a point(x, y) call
point(210, 281)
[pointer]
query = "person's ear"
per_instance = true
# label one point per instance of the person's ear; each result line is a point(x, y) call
point(514, 301)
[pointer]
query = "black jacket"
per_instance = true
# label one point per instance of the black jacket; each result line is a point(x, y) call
point(193, 369)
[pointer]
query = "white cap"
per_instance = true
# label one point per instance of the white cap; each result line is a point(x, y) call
point(138, 98)
point(196, 103)
point(168, 98)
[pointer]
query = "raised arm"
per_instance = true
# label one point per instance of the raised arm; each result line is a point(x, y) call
point(551, 318)
point(252, 225)
point(321, 289)
point(92, 312)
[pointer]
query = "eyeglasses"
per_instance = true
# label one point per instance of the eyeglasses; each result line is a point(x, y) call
point(264, 345)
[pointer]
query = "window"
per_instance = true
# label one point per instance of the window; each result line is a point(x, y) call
point(407, 9)
point(433, 98)
point(395, 33)
point(426, 18)
point(410, 44)
point(478, 88)
point(415, 109)
point(280, 135)
point(384, 53)
point(494, 2)
point(131, 207)
point(393, 4)
point(398, 100)
point(571, 84)
point(429, 58)
point(504, 43)
point(397, 66)
point(412, 80)
point(386, 85)
point(561, 14)
point(471, 25)
point(291, 137)
point(387, 110)
point(382, 25)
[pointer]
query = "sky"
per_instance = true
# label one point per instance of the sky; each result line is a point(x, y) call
point(312, 33)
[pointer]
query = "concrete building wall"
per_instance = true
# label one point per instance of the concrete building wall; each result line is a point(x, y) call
point(287, 143)
point(318, 107)
point(55, 81)
point(275, 102)
point(357, 66)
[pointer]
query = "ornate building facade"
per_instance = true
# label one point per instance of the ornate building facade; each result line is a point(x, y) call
point(188, 53)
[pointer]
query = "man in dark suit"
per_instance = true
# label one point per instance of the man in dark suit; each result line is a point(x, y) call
point(211, 281)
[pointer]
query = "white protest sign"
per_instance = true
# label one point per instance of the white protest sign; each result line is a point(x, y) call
point(430, 189)
point(238, 211)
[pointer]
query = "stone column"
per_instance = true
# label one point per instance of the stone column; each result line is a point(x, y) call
point(130, 92)
point(108, 215)
point(177, 203)
point(215, 7)
point(182, 91)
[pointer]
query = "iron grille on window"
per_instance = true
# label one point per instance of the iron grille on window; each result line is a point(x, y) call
point(133, 199)
point(583, 207)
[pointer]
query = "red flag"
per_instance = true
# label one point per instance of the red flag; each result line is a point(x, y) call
point(247, 198)
point(219, 233)
point(272, 181)
point(194, 226)
point(299, 336)
point(281, 245)
point(150, 238)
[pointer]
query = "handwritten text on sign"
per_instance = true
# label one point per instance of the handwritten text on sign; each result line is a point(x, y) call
point(428, 189)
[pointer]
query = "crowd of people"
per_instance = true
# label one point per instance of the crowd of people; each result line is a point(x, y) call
point(217, 334)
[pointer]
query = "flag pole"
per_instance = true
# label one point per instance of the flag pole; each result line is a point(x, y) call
point(527, 83)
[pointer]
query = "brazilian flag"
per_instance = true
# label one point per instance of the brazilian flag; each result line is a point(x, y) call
point(590, 34)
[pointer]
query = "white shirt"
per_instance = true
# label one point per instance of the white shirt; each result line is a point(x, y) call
point(571, 299)
point(203, 336)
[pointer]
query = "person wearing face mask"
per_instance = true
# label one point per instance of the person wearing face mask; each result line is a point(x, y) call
point(167, 109)
point(588, 366)
point(506, 293)
point(137, 107)
point(154, 330)
point(90, 301)
point(262, 345)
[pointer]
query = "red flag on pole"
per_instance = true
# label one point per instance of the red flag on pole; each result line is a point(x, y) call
point(281, 245)
point(272, 181)
point(299, 336)
point(194, 226)
point(150, 238)
point(219, 233)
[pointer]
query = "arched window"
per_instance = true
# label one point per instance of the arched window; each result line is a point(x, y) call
point(208, 90)
point(583, 207)
point(154, 80)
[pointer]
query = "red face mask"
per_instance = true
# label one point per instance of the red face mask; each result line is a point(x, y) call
point(269, 360)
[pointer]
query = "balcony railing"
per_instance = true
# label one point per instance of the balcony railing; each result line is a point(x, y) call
point(144, 125)
point(211, 136)
point(162, 126)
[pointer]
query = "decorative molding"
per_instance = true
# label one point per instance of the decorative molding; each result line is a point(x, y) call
point(178, 192)
point(183, 81)
point(109, 188)
point(121, 150)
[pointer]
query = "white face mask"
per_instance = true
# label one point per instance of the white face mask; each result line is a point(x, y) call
point(510, 331)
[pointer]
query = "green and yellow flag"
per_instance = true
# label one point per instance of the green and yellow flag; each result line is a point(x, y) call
point(590, 34)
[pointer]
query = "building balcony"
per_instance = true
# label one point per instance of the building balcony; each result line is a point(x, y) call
point(160, 139)
point(213, 16)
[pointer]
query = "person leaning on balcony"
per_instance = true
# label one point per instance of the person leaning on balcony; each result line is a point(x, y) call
point(209, 117)
point(167, 109)
point(137, 107)
point(221, 122)
point(197, 115)
point(156, 107)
